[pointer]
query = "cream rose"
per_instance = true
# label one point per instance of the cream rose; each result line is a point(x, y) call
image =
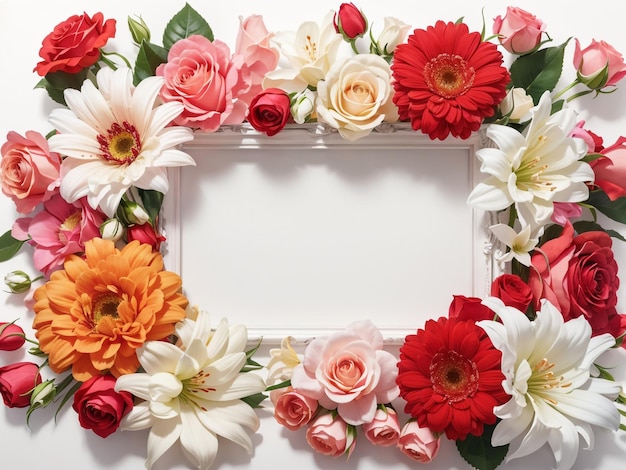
point(356, 96)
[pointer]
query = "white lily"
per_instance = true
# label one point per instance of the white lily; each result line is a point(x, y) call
point(116, 136)
point(554, 399)
point(310, 52)
point(520, 244)
point(192, 391)
point(535, 168)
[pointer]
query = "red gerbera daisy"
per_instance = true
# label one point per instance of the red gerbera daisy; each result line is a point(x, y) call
point(447, 80)
point(450, 376)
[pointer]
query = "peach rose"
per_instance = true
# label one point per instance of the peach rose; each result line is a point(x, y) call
point(30, 172)
point(293, 410)
point(599, 65)
point(384, 429)
point(519, 31)
point(200, 75)
point(610, 170)
point(348, 371)
point(331, 436)
point(418, 443)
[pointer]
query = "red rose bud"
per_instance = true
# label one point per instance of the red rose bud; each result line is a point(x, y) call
point(11, 337)
point(145, 233)
point(17, 382)
point(469, 308)
point(513, 291)
point(269, 111)
point(350, 22)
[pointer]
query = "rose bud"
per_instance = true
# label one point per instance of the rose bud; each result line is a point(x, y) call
point(513, 291)
point(469, 308)
point(331, 436)
point(269, 111)
point(11, 337)
point(598, 65)
point(294, 410)
point(350, 22)
point(145, 234)
point(384, 429)
point(17, 381)
point(18, 281)
point(139, 30)
point(418, 443)
point(519, 32)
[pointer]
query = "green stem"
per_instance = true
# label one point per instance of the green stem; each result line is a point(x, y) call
point(353, 45)
point(564, 90)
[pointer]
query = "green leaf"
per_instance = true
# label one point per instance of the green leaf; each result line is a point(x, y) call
point(478, 451)
point(254, 400)
point(70, 393)
point(152, 201)
point(589, 226)
point(9, 246)
point(538, 71)
point(284, 384)
point(185, 23)
point(615, 210)
point(149, 57)
point(56, 83)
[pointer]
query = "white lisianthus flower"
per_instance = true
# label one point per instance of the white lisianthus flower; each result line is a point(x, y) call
point(356, 96)
point(520, 244)
point(192, 391)
point(533, 169)
point(310, 52)
point(115, 136)
point(554, 399)
point(394, 32)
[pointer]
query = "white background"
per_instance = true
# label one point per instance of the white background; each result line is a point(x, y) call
point(22, 27)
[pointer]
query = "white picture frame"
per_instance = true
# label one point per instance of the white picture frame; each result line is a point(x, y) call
point(238, 168)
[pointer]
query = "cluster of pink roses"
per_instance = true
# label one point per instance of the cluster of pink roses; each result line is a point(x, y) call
point(344, 381)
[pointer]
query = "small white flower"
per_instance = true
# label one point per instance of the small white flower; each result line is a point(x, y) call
point(303, 105)
point(516, 104)
point(394, 32)
point(520, 244)
point(282, 362)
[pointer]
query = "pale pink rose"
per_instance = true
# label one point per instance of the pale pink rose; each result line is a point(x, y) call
point(254, 55)
point(331, 436)
point(384, 429)
point(60, 229)
point(591, 62)
point(348, 371)
point(580, 132)
point(292, 409)
point(564, 211)
point(30, 172)
point(418, 443)
point(200, 75)
point(610, 170)
point(519, 31)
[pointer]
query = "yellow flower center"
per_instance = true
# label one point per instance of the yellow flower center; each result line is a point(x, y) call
point(68, 225)
point(121, 145)
point(448, 75)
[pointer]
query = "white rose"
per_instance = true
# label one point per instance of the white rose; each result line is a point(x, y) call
point(394, 32)
point(517, 103)
point(356, 96)
point(302, 105)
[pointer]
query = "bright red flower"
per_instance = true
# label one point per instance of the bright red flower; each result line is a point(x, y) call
point(447, 80)
point(450, 376)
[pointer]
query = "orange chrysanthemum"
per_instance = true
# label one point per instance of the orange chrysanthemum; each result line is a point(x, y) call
point(94, 314)
point(447, 80)
point(450, 376)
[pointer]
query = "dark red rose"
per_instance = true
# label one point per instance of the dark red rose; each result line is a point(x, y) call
point(145, 233)
point(11, 336)
point(99, 407)
point(269, 111)
point(74, 44)
point(513, 291)
point(350, 21)
point(469, 308)
point(17, 382)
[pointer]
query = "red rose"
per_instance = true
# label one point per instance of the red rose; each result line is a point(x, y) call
point(269, 111)
point(74, 44)
point(17, 382)
point(145, 233)
point(469, 308)
point(99, 407)
point(579, 278)
point(512, 291)
point(11, 336)
point(350, 21)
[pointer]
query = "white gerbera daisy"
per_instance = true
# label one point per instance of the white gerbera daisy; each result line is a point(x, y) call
point(554, 399)
point(115, 136)
point(192, 391)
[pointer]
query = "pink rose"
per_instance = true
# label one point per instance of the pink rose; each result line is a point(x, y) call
point(59, 230)
point(578, 275)
point(469, 308)
point(565, 211)
point(519, 32)
point(145, 233)
point(512, 291)
point(30, 172)
point(254, 54)
point(199, 74)
point(331, 436)
point(610, 170)
point(348, 371)
point(599, 65)
point(384, 429)
point(17, 382)
point(294, 410)
point(269, 111)
point(418, 443)
point(11, 336)
point(99, 407)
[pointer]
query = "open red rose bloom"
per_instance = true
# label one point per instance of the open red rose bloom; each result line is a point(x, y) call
point(450, 377)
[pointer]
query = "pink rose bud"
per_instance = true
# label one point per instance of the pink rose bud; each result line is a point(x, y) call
point(11, 337)
point(145, 234)
point(384, 429)
point(598, 65)
point(331, 436)
point(418, 443)
point(519, 32)
point(350, 22)
point(294, 410)
point(17, 381)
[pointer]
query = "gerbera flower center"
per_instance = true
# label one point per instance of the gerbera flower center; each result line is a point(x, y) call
point(453, 376)
point(449, 75)
point(105, 305)
point(121, 145)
